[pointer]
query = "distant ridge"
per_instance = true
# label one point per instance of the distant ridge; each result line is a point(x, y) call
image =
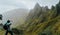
point(16, 16)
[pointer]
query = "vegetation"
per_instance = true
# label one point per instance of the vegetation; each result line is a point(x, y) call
point(43, 23)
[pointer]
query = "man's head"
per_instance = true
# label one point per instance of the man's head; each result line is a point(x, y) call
point(8, 21)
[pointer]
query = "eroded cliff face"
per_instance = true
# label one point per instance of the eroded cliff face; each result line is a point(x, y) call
point(42, 21)
point(37, 12)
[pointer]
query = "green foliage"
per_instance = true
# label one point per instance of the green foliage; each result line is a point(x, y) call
point(44, 23)
point(58, 8)
point(17, 31)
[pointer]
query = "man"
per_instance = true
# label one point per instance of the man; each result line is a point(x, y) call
point(7, 28)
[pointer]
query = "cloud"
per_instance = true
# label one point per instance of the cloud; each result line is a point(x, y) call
point(48, 3)
point(6, 5)
point(9, 5)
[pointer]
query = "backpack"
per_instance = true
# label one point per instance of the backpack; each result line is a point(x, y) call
point(5, 27)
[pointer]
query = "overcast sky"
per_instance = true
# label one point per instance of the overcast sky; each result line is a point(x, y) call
point(6, 5)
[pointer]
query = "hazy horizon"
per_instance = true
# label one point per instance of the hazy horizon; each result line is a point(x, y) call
point(7, 5)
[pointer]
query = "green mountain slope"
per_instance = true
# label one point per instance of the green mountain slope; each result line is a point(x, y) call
point(43, 21)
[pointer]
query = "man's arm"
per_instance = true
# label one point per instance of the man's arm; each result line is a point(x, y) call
point(10, 24)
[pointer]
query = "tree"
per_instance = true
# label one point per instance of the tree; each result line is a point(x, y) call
point(53, 8)
point(0, 17)
point(58, 8)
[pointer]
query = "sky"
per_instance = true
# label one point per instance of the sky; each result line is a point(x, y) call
point(7, 5)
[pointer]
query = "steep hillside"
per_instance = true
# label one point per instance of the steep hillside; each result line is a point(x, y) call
point(37, 12)
point(42, 21)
